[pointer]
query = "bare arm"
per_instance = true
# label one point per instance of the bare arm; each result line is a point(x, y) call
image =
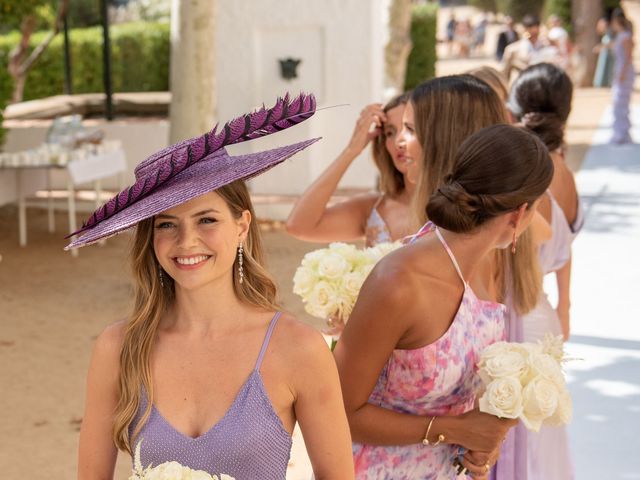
point(311, 219)
point(377, 324)
point(97, 452)
point(563, 280)
point(320, 411)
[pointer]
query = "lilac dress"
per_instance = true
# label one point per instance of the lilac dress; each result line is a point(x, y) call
point(437, 379)
point(248, 442)
point(376, 230)
point(621, 91)
point(545, 455)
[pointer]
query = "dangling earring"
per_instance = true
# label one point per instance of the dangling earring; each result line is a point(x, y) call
point(161, 275)
point(240, 262)
point(514, 242)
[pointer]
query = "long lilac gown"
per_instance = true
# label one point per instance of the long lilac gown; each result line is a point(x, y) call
point(543, 456)
point(621, 91)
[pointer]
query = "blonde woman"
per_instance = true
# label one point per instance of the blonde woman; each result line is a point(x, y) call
point(207, 371)
point(378, 217)
point(494, 79)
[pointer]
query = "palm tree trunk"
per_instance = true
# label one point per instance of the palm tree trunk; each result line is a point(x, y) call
point(192, 82)
point(585, 15)
point(397, 51)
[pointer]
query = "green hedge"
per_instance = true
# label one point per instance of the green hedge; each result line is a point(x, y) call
point(139, 55)
point(5, 93)
point(421, 64)
point(139, 62)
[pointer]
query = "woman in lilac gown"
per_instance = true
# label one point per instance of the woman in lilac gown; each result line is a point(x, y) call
point(540, 99)
point(623, 76)
point(207, 371)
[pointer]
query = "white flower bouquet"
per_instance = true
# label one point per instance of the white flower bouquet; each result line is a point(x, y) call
point(169, 471)
point(525, 381)
point(329, 280)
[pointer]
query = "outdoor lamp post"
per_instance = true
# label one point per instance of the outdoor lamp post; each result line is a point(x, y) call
point(106, 59)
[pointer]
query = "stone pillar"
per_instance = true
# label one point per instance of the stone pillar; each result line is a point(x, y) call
point(193, 74)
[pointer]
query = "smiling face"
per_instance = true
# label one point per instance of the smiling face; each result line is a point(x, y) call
point(196, 243)
point(408, 141)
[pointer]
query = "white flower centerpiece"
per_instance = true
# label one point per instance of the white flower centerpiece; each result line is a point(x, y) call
point(169, 471)
point(525, 381)
point(329, 280)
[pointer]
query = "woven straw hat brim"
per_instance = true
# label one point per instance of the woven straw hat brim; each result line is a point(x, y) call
point(205, 176)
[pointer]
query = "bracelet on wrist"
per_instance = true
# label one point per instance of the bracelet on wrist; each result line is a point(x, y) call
point(425, 440)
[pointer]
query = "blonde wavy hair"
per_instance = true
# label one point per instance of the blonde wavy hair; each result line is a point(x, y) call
point(447, 111)
point(152, 300)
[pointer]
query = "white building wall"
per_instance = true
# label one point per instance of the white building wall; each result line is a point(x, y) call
point(340, 43)
point(341, 46)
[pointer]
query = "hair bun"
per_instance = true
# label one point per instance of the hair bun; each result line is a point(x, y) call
point(453, 208)
point(547, 125)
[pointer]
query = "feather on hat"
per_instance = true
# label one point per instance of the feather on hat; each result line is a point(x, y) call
point(193, 167)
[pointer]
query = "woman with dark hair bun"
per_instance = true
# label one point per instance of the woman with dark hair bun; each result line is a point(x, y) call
point(407, 358)
point(541, 100)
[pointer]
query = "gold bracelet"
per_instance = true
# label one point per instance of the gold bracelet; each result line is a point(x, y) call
point(426, 441)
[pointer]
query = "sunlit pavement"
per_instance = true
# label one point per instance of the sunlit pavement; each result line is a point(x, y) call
point(605, 377)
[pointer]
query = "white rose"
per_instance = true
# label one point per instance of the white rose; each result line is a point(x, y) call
point(498, 350)
point(548, 367)
point(346, 250)
point(323, 300)
point(332, 266)
point(511, 363)
point(312, 259)
point(352, 283)
point(385, 248)
point(375, 254)
point(494, 350)
point(165, 471)
point(303, 281)
point(564, 412)
point(502, 398)
point(540, 401)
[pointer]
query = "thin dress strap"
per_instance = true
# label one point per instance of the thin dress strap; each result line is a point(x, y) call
point(267, 337)
point(451, 256)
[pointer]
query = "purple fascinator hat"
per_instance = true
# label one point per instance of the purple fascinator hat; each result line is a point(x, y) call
point(197, 166)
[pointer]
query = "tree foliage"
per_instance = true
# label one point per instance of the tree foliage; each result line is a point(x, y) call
point(421, 64)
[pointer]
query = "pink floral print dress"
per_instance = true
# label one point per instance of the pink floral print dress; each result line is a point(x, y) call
point(437, 379)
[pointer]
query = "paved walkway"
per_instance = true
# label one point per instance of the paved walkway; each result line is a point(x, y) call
point(605, 383)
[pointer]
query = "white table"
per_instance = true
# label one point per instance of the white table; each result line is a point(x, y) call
point(87, 166)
